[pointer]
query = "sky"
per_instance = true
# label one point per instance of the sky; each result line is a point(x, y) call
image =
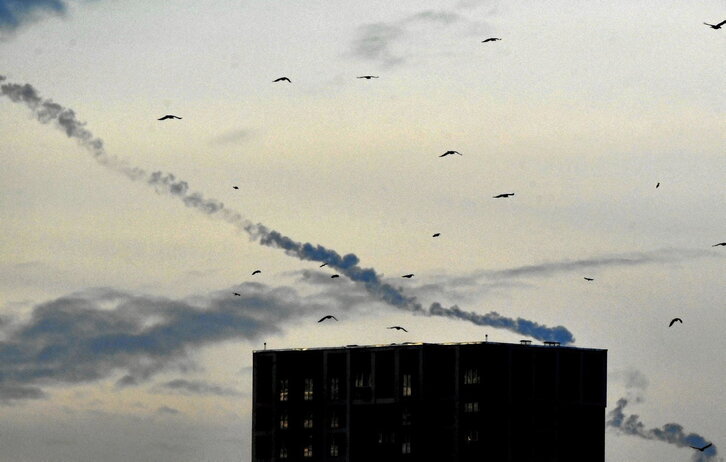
point(124, 240)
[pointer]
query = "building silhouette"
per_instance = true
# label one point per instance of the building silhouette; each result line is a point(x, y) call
point(430, 402)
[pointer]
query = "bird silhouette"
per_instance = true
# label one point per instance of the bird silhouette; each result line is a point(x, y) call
point(324, 264)
point(409, 276)
point(238, 294)
point(720, 244)
point(503, 195)
point(673, 321)
point(367, 77)
point(436, 235)
point(703, 448)
point(658, 184)
point(256, 272)
point(397, 328)
point(282, 79)
point(589, 279)
point(330, 316)
point(491, 39)
point(235, 187)
point(447, 153)
point(334, 276)
point(169, 116)
point(715, 26)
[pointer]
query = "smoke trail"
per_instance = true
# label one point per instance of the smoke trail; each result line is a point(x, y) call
point(671, 433)
point(47, 111)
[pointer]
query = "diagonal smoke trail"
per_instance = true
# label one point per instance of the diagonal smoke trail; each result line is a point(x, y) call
point(671, 433)
point(47, 111)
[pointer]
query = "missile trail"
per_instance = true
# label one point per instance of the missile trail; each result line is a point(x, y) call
point(46, 111)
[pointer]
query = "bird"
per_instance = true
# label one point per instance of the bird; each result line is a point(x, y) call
point(330, 316)
point(237, 294)
point(589, 279)
point(282, 79)
point(324, 264)
point(334, 276)
point(715, 26)
point(256, 272)
point(409, 276)
point(703, 448)
point(720, 244)
point(367, 77)
point(397, 328)
point(235, 187)
point(491, 39)
point(674, 320)
point(503, 195)
point(436, 235)
point(169, 116)
point(658, 184)
point(450, 152)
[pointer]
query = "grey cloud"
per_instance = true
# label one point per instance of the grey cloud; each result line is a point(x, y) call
point(15, 13)
point(165, 410)
point(374, 42)
point(197, 387)
point(231, 137)
point(89, 336)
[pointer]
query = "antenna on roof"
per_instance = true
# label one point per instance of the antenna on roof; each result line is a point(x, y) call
point(265, 345)
point(486, 337)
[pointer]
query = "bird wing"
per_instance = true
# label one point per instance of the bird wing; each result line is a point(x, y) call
point(403, 329)
point(444, 154)
point(709, 444)
point(721, 23)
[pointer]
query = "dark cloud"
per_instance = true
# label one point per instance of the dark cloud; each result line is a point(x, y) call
point(91, 335)
point(671, 433)
point(165, 410)
point(14, 13)
point(197, 387)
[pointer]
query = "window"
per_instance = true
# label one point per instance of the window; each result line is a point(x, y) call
point(406, 445)
point(406, 385)
point(308, 396)
point(406, 417)
point(471, 407)
point(471, 436)
point(334, 422)
point(308, 451)
point(334, 449)
point(308, 422)
point(283, 390)
point(471, 377)
point(283, 421)
point(361, 380)
point(283, 452)
point(335, 388)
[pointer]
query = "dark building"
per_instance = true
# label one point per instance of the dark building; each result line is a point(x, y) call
point(430, 402)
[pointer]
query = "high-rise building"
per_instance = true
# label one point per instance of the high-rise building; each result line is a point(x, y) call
point(430, 402)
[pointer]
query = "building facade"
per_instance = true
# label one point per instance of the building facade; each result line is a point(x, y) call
point(430, 402)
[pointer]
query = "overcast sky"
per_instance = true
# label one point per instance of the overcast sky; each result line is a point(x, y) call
point(120, 334)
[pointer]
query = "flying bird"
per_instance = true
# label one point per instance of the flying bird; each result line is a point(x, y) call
point(169, 116)
point(450, 152)
point(503, 195)
point(282, 79)
point(256, 272)
point(673, 321)
point(330, 316)
point(397, 328)
point(238, 294)
point(491, 39)
point(715, 26)
point(722, 244)
point(235, 187)
point(367, 77)
point(589, 279)
point(334, 276)
point(436, 235)
point(324, 264)
point(709, 444)
point(656, 186)
point(409, 276)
